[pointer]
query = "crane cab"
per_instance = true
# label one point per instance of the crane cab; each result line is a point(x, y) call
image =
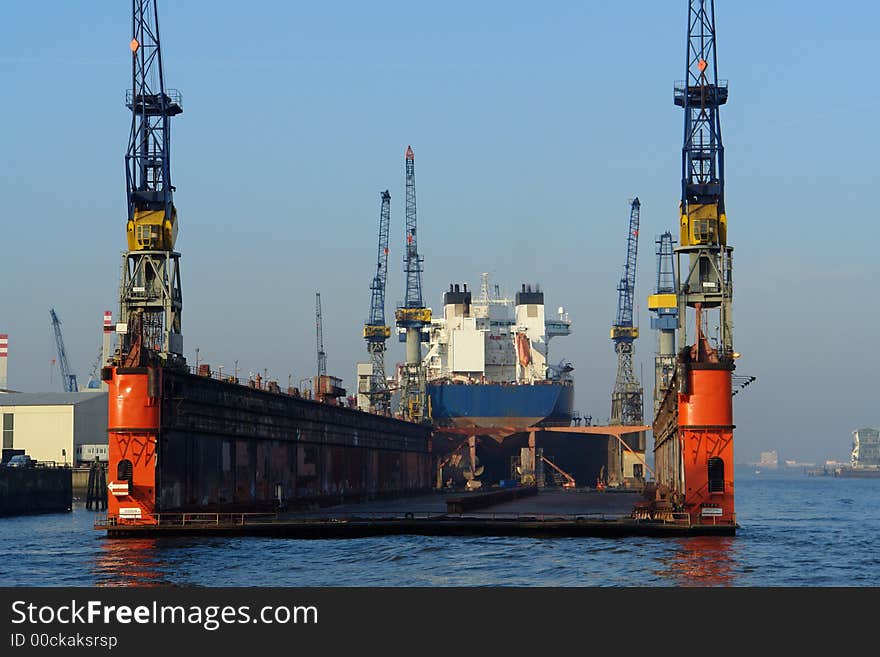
point(703, 225)
point(150, 230)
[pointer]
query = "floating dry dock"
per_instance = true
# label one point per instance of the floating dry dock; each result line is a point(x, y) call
point(525, 512)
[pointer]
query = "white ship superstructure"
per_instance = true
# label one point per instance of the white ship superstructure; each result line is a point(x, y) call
point(494, 339)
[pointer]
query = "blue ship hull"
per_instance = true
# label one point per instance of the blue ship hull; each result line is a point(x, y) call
point(501, 405)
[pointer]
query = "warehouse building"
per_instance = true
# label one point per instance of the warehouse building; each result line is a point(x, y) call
point(54, 426)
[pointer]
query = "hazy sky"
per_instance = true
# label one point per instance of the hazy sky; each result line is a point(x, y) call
point(533, 126)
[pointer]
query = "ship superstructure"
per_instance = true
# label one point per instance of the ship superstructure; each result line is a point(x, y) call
point(494, 339)
point(487, 360)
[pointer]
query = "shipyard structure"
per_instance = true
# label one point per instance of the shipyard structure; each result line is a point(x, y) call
point(183, 440)
point(693, 422)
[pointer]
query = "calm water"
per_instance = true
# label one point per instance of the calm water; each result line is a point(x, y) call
point(796, 531)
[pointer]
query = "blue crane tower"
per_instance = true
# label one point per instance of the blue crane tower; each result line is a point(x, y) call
point(412, 316)
point(68, 378)
point(150, 296)
point(376, 331)
point(627, 406)
point(664, 305)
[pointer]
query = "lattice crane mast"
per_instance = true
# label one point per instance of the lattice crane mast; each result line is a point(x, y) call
point(68, 378)
point(150, 301)
point(319, 337)
point(412, 316)
point(626, 398)
point(707, 280)
point(664, 305)
point(376, 331)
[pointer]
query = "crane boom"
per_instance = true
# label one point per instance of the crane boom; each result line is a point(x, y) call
point(627, 406)
point(68, 378)
point(627, 286)
point(319, 337)
point(376, 332)
point(377, 298)
point(412, 316)
point(413, 260)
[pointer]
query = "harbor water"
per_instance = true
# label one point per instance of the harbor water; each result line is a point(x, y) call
point(796, 530)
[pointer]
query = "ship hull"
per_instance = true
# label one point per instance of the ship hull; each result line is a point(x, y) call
point(501, 405)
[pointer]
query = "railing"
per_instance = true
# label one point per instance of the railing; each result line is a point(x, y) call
point(243, 519)
point(171, 96)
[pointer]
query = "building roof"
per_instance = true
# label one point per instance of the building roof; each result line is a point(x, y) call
point(49, 398)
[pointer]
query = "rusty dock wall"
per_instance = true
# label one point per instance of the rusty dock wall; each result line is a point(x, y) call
point(183, 442)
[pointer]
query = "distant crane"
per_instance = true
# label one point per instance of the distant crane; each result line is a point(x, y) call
point(627, 407)
point(376, 332)
point(319, 336)
point(664, 304)
point(626, 399)
point(412, 316)
point(325, 388)
point(68, 378)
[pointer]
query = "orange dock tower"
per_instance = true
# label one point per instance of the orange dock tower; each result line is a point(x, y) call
point(693, 423)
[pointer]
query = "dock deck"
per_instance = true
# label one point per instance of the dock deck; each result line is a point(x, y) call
point(543, 513)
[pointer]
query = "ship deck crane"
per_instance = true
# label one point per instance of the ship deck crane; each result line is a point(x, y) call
point(627, 406)
point(412, 316)
point(150, 296)
point(68, 378)
point(376, 331)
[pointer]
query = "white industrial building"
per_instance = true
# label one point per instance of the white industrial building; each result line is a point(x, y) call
point(53, 426)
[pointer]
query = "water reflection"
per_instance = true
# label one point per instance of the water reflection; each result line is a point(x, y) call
point(701, 561)
point(130, 562)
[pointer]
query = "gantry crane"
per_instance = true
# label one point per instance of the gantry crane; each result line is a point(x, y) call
point(68, 378)
point(150, 296)
point(627, 406)
point(376, 331)
point(664, 305)
point(693, 427)
point(412, 316)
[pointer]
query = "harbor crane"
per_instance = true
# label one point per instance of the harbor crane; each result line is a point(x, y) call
point(376, 331)
point(319, 337)
point(68, 378)
point(325, 388)
point(693, 425)
point(627, 406)
point(150, 295)
point(664, 305)
point(412, 316)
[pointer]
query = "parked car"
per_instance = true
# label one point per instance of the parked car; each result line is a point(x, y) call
point(21, 461)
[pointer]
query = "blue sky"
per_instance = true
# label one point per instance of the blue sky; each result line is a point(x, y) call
point(532, 127)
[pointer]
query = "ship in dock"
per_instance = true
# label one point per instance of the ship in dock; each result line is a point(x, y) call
point(487, 365)
point(491, 386)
